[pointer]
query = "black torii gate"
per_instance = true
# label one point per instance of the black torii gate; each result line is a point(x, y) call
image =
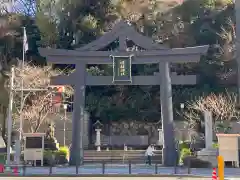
point(122, 60)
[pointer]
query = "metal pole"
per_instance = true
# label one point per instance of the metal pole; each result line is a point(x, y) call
point(9, 123)
point(21, 101)
point(64, 124)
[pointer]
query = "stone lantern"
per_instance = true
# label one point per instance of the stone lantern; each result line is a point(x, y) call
point(98, 128)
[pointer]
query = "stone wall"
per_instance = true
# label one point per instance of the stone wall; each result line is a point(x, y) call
point(134, 128)
point(124, 128)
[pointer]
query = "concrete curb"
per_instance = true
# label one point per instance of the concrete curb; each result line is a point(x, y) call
point(105, 175)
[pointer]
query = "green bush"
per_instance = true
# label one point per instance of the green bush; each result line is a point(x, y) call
point(48, 157)
point(48, 154)
point(215, 145)
point(3, 157)
point(184, 153)
point(62, 155)
point(183, 145)
point(64, 150)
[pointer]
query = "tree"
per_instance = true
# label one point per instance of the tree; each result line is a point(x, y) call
point(10, 49)
point(60, 24)
point(25, 7)
point(47, 21)
point(37, 104)
point(223, 107)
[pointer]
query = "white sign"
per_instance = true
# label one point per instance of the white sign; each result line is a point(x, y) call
point(34, 147)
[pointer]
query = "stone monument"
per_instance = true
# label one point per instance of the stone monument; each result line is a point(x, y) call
point(17, 153)
point(50, 142)
point(208, 153)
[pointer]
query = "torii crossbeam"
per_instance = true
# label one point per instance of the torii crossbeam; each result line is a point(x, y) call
point(153, 53)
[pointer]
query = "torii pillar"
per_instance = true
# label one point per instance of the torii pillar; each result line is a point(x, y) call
point(76, 151)
point(169, 151)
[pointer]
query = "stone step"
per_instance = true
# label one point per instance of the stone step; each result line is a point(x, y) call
point(120, 156)
point(159, 161)
point(105, 158)
point(116, 152)
point(126, 159)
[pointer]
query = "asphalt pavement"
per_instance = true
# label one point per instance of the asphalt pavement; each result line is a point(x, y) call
point(125, 170)
point(120, 172)
point(102, 178)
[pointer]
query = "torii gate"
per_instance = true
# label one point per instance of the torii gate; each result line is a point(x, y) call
point(122, 60)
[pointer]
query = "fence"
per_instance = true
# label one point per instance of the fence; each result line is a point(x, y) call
point(130, 167)
point(105, 169)
point(98, 166)
point(101, 168)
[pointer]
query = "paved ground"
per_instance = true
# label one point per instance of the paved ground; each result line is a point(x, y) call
point(124, 169)
point(99, 178)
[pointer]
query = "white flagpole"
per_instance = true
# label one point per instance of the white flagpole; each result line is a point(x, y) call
point(21, 108)
point(9, 119)
point(22, 95)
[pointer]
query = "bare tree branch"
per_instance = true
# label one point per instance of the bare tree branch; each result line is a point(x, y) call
point(223, 107)
point(37, 105)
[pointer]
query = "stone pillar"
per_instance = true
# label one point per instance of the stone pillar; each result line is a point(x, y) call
point(209, 153)
point(98, 139)
point(17, 154)
point(76, 153)
point(169, 152)
point(208, 130)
